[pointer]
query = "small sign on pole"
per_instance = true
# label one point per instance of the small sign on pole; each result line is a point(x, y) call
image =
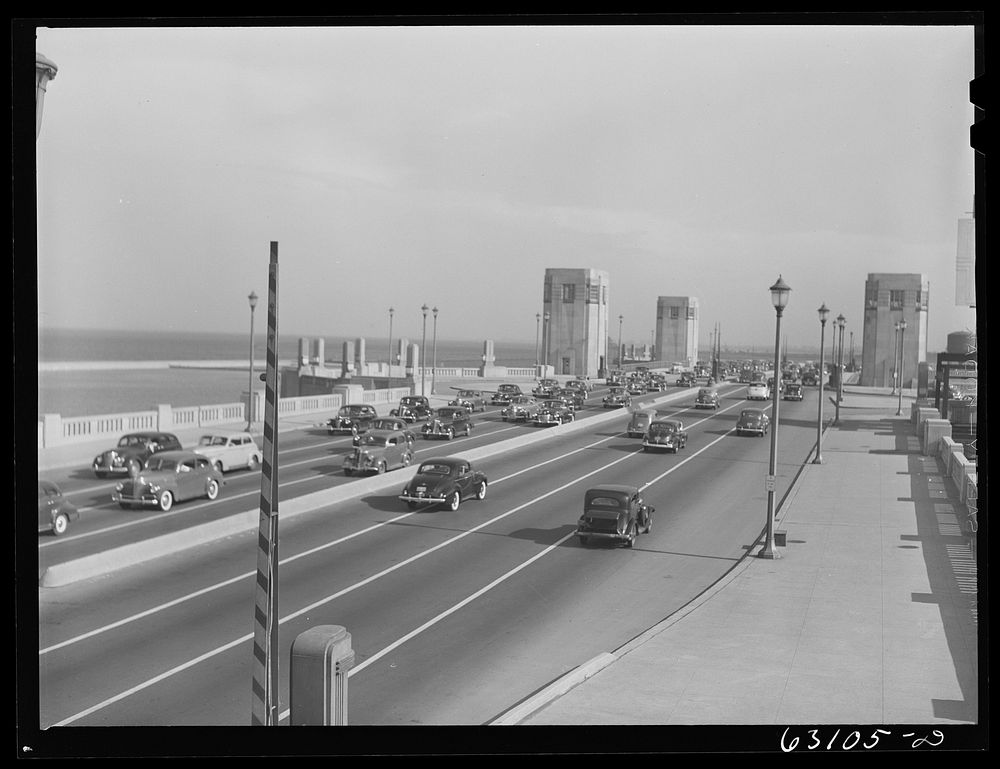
point(769, 483)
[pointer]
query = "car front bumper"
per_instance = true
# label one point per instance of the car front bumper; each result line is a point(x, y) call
point(143, 500)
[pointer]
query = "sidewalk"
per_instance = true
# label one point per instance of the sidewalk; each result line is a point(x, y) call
point(868, 617)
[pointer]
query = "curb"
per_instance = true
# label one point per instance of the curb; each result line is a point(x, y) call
point(61, 574)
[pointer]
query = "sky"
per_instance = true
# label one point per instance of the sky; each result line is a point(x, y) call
point(449, 165)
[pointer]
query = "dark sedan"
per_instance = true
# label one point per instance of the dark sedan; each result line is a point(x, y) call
point(753, 422)
point(54, 511)
point(447, 480)
point(447, 422)
point(132, 451)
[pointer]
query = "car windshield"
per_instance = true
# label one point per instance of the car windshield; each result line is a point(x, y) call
point(662, 428)
point(449, 413)
point(213, 440)
point(372, 440)
point(434, 468)
point(160, 464)
point(411, 401)
point(132, 440)
point(384, 424)
point(467, 394)
point(752, 414)
point(352, 411)
point(557, 404)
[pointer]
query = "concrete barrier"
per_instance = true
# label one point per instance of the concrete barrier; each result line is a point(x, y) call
point(167, 544)
point(930, 437)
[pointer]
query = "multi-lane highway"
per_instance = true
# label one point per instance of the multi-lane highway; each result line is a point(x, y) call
point(454, 616)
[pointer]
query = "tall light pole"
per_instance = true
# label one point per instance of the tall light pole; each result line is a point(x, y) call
point(779, 298)
point(548, 339)
point(620, 319)
point(538, 321)
point(252, 298)
point(895, 356)
point(902, 333)
point(434, 365)
point(423, 346)
point(842, 322)
point(391, 313)
point(824, 313)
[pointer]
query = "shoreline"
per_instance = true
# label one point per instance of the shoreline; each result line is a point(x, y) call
point(135, 365)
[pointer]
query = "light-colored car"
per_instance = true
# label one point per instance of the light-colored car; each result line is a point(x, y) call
point(638, 424)
point(520, 408)
point(758, 391)
point(473, 400)
point(230, 451)
point(54, 511)
point(379, 451)
point(168, 477)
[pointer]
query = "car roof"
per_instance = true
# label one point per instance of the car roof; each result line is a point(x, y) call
point(380, 433)
point(153, 434)
point(226, 434)
point(178, 454)
point(672, 422)
point(445, 461)
point(612, 488)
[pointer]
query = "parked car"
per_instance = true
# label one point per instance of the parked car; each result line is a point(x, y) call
point(753, 422)
point(379, 451)
point(707, 398)
point(504, 393)
point(618, 397)
point(473, 400)
point(665, 435)
point(54, 511)
point(758, 391)
point(638, 424)
point(446, 480)
point(447, 422)
point(552, 412)
point(686, 379)
point(352, 418)
point(520, 408)
point(412, 408)
point(230, 450)
point(168, 477)
point(388, 423)
point(614, 513)
point(132, 452)
point(792, 392)
point(545, 388)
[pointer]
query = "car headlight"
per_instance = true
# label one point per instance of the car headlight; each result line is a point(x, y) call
point(154, 488)
point(119, 487)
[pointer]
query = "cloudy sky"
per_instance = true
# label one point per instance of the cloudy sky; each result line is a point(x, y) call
point(451, 165)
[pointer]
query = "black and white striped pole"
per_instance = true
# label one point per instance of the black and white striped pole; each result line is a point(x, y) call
point(265, 621)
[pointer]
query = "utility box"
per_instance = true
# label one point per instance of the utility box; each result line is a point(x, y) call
point(321, 659)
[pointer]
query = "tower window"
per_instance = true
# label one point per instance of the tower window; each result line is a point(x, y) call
point(569, 292)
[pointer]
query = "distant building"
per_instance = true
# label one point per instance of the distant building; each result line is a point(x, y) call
point(890, 298)
point(965, 264)
point(676, 330)
point(574, 340)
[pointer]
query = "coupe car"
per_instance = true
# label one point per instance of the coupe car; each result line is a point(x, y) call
point(520, 408)
point(552, 412)
point(708, 398)
point(792, 392)
point(412, 408)
point(388, 423)
point(473, 400)
point(54, 511)
point(665, 435)
point(132, 451)
point(614, 513)
point(617, 398)
point(504, 393)
point(352, 418)
point(447, 480)
point(545, 388)
point(378, 452)
point(447, 422)
point(753, 422)
point(229, 451)
point(638, 424)
point(168, 477)
point(758, 391)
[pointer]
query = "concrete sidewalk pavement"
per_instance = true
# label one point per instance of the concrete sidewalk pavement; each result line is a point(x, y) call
point(868, 617)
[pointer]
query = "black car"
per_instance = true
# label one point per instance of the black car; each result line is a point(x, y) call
point(54, 510)
point(132, 451)
point(412, 408)
point(447, 422)
point(446, 480)
point(614, 513)
point(353, 418)
point(792, 392)
point(552, 412)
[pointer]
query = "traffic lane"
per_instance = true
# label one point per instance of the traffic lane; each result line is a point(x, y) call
point(285, 583)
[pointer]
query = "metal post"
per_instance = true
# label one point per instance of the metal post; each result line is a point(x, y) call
point(538, 318)
point(842, 322)
point(253, 305)
point(902, 332)
point(548, 339)
point(823, 314)
point(423, 346)
point(895, 355)
point(779, 293)
point(620, 319)
point(391, 313)
point(264, 689)
point(434, 363)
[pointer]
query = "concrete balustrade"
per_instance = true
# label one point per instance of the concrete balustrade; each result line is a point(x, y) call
point(933, 431)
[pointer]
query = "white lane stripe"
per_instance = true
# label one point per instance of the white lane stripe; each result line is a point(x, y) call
point(291, 559)
point(316, 604)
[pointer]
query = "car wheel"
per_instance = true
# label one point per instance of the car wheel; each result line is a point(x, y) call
point(212, 492)
point(166, 501)
point(451, 433)
point(218, 466)
point(631, 540)
point(60, 525)
point(381, 468)
point(453, 501)
point(406, 458)
point(649, 523)
point(254, 463)
point(583, 540)
point(481, 491)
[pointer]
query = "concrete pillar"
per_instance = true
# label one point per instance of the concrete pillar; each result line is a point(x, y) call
point(303, 351)
point(359, 354)
point(164, 417)
point(933, 431)
point(51, 430)
point(924, 413)
point(350, 393)
point(347, 359)
point(318, 356)
point(321, 658)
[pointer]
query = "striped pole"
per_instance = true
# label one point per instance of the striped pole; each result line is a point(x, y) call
point(265, 619)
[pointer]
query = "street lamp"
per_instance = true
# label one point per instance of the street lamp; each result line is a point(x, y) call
point(391, 313)
point(434, 364)
point(252, 298)
point(538, 320)
point(902, 333)
point(895, 356)
point(423, 346)
point(548, 339)
point(842, 322)
point(779, 298)
point(824, 313)
point(620, 319)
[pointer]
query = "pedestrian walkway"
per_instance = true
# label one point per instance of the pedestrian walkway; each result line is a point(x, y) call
point(868, 617)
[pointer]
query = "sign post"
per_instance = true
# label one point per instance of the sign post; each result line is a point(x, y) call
point(264, 688)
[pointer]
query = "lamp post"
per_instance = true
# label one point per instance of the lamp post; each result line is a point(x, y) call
point(434, 364)
point(391, 313)
point(902, 333)
point(895, 356)
point(620, 319)
point(779, 298)
point(824, 313)
point(842, 322)
point(548, 339)
point(423, 346)
point(538, 321)
point(252, 298)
